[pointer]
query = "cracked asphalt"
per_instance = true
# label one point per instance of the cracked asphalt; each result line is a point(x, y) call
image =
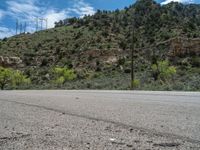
point(99, 120)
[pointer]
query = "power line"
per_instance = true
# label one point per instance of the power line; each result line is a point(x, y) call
point(17, 26)
point(20, 28)
point(39, 23)
point(25, 27)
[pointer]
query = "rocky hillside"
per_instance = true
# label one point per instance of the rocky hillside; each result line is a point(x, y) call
point(98, 48)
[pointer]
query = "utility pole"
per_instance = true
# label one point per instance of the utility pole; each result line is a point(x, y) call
point(46, 23)
point(20, 28)
point(17, 26)
point(36, 24)
point(41, 23)
point(132, 59)
point(24, 27)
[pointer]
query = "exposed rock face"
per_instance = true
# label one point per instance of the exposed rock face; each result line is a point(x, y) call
point(11, 62)
point(184, 47)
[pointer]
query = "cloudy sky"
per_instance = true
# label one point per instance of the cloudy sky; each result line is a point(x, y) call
point(54, 10)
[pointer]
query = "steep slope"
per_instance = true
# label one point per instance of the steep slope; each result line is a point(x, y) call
point(98, 47)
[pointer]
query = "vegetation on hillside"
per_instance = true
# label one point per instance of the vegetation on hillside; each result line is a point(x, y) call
point(62, 75)
point(12, 78)
point(97, 49)
point(162, 71)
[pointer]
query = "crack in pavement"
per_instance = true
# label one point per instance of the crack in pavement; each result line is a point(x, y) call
point(166, 144)
point(13, 138)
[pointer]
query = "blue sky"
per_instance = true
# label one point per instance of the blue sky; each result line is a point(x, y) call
point(54, 10)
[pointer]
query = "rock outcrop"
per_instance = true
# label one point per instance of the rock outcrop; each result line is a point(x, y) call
point(184, 47)
point(11, 62)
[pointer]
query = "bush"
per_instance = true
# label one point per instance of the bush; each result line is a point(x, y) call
point(195, 61)
point(11, 77)
point(136, 83)
point(19, 79)
point(5, 39)
point(162, 71)
point(5, 77)
point(62, 75)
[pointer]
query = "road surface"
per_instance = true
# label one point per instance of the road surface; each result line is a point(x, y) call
point(101, 120)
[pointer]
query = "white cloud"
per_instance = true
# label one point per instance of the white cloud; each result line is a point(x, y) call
point(29, 10)
point(5, 32)
point(23, 10)
point(82, 8)
point(1, 14)
point(179, 1)
point(54, 16)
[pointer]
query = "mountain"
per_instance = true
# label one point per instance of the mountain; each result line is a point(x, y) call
point(99, 47)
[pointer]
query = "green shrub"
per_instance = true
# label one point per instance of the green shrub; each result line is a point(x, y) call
point(195, 61)
point(163, 71)
point(5, 77)
point(12, 78)
point(63, 75)
point(19, 79)
point(136, 83)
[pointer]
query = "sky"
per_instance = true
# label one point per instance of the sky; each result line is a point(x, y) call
point(27, 11)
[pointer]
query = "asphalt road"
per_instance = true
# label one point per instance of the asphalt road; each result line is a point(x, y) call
point(63, 120)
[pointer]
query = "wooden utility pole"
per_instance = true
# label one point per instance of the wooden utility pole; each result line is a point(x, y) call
point(132, 59)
